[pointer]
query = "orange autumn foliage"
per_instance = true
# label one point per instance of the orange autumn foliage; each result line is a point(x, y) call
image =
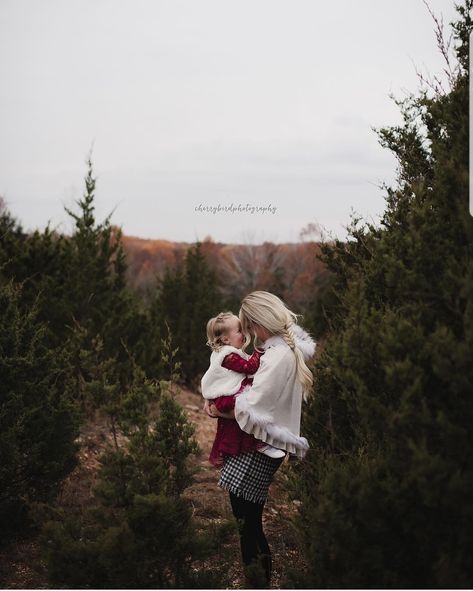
point(287, 269)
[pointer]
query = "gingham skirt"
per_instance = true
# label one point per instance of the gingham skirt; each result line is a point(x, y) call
point(249, 475)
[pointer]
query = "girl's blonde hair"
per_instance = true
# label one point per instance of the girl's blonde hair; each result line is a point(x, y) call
point(264, 309)
point(216, 329)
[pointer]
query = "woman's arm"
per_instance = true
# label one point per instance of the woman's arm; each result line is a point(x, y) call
point(257, 403)
point(271, 409)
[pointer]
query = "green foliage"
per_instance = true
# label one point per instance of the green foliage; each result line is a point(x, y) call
point(75, 338)
point(255, 575)
point(320, 311)
point(386, 488)
point(38, 422)
point(77, 281)
point(186, 298)
point(96, 295)
point(12, 240)
point(140, 533)
point(38, 261)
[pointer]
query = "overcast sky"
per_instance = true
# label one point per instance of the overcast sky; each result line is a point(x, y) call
point(193, 104)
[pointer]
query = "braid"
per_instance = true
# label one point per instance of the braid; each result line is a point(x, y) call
point(288, 336)
point(303, 372)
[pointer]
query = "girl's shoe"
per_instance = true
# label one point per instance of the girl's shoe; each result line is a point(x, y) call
point(272, 452)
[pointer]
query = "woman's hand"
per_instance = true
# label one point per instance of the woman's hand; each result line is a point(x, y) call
point(214, 413)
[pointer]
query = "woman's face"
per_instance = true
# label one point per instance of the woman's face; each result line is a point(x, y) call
point(260, 332)
point(253, 329)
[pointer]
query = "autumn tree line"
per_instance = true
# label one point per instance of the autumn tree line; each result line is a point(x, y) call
point(385, 489)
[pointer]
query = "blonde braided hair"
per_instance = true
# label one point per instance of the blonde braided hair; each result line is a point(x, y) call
point(288, 335)
point(264, 309)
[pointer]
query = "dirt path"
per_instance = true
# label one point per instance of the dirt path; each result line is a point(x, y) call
point(21, 567)
point(211, 502)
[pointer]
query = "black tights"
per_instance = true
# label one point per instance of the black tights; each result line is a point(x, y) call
point(254, 546)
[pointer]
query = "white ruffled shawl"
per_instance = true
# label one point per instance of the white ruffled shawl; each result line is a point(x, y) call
point(271, 408)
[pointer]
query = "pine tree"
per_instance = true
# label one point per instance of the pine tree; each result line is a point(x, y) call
point(94, 293)
point(38, 421)
point(12, 240)
point(140, 533)
point(201, 302)
point(77, 280)
point(95, 280)
point(187, 297)
point(386, 489)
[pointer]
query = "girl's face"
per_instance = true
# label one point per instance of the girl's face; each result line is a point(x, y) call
point(233, 335)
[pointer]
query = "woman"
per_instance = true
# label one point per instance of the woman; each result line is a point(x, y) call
point(271, 411)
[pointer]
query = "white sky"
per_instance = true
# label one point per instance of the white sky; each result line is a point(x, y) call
point(189, 102)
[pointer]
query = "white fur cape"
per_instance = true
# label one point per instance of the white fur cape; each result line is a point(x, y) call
point(271, 408)
point(219, 381)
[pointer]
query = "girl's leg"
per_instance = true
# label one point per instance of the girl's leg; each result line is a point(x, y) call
point(253, 543)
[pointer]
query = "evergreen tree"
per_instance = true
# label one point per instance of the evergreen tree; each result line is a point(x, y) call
point(41, 263)
point(12, 240)
point(201, 302)
point(95, 282)
point(78, 280)
point(38, 422)
point(140, 533)
point(387, 486)
point(186, 299)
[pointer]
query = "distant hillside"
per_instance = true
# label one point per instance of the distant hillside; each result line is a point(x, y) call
point(286, 269)
point(148, 259)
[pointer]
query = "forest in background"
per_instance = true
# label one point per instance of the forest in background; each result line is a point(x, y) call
point(286, 269)
point(385, 491)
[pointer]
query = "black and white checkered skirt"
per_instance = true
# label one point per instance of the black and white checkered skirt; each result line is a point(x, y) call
point(249, 475)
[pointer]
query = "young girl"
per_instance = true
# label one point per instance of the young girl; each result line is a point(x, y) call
point(271, 411)
point(225, 379)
